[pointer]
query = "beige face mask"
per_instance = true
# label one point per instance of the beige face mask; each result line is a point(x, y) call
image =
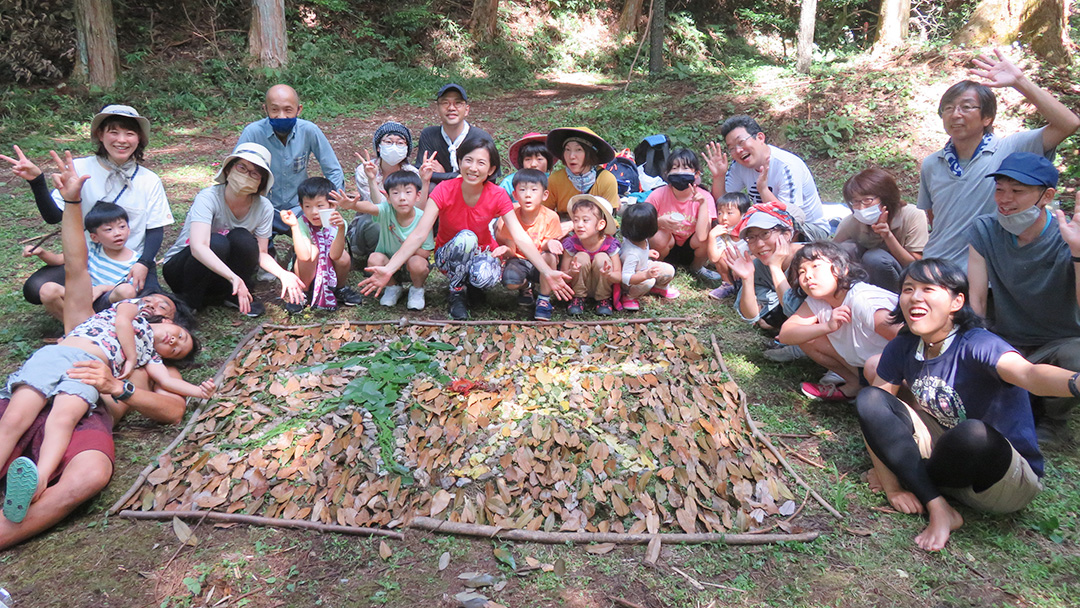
point(242, 184)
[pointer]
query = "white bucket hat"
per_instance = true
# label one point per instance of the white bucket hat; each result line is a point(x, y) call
point(253, 153)
point(609, 215)
point(119, 110)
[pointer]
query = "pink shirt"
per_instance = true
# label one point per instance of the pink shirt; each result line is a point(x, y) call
point(663, 198)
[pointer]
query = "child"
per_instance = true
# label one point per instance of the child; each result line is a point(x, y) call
point(729, 212)
point(322, 260)
point(686, 212)
point(543, 227)
point(641, 272)
point(529, 152)
point(119, 336)
point(110, 259)
point(590, 253)
point(397, 218)
point(853, 315)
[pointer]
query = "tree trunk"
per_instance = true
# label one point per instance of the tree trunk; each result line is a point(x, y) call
point(656, 38)
point(98, 60)
point(267, 45)
point(631, 13)
point(805, 51)
point(893, 22)
point(1037, 23)
point(485, 20)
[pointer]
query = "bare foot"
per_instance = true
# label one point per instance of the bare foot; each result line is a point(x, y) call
point(43, 482)
point(873, 481)
point(943, 520)
point(904, 501)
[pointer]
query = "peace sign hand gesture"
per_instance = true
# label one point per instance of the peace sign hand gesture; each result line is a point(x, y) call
point(22, 166)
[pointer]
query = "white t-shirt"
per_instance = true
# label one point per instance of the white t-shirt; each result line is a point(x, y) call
point(857, 341)
point(789, 179)
point(634, 259)
point(209, 207)
point(144, 201)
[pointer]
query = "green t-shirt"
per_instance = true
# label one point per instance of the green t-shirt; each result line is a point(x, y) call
point(392, 234)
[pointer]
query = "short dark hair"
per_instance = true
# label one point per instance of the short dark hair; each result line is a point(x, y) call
point(586, 203)
point(532, 149)
point(591, 157)
point(124, 122)
point(985, 95)
point(874, 182)
point(684, 157)
point(846, 270)
point(103, 212)
point(264, 175)
point(476, 142)
point(196, 346)
point(399, 179)
point(639, 222)
point(314, 187)
point(739, 199)
point(741, 120)
point(943, 273)
point(530, 176)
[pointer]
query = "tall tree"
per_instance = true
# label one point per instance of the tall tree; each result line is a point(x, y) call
point(267, 45)
point(98, 58)
point(805, 44)
point(1039, 23)
point(893, 20)
point(656, 38)
point(628, 19)
point(485, 19)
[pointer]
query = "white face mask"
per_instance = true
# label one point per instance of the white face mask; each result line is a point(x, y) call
point(1020, 221)
point(393, 154)
point(869, 215)
point(242, 184)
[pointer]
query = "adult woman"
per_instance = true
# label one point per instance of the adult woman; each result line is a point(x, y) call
point(581, 151)
point(225, 238)
point(464, 244)
point(764, 297)
point(970, 434)
point(882, 233)
point(115, 174)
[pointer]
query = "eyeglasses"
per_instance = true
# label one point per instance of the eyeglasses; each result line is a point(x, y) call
point(738, 143)
point(452, 103)
point(964, 109)
point(863, 203)
point(761, 237)
point(243, 169)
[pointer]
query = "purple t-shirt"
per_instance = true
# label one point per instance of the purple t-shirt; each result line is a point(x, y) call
point(961, 383)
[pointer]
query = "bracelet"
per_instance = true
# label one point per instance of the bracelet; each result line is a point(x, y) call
point(67, 202)
point(1072, 385)
point(1075, 259)
point(129, 390)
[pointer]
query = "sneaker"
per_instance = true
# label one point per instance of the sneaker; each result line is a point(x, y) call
point(525, 297)
point(832, 378)
point(257, 308)
point(725, 290)
point(603, 307)
point(708, 275)
point(475, 296)
point(265, 276)
point(824, 392)
point(459, 311)
point(391, 295)
point(631, 305)
point(348, 296)
point(668, 292)
point(576, 306)
point(292, 309)
point(22, 482)
point(784, 354)
point(416, 298)
point(543, 309)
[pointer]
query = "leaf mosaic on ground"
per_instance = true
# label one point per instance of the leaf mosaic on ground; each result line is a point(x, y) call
point(630, 428)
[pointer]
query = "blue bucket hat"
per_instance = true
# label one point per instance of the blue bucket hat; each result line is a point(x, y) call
point(1028, 168)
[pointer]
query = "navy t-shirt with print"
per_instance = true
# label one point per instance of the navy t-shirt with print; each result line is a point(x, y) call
point(963, 383)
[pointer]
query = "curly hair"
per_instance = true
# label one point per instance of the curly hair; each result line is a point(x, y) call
point(846, 271)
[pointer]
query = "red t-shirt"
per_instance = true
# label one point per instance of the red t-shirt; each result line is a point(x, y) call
point(455, 215)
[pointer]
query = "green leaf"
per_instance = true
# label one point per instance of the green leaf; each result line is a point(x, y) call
point(357, 347)
point(192, 585)
point(505, 557)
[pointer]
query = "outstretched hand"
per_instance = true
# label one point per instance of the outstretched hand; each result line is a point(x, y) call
point(289, 218)
point(715, 159)
point(559, 283)
point(740, 263)
point(292, 289)
point(21, 166)
point(379, 277)
point(996, 71)
point(342, 200)
point(68, 182)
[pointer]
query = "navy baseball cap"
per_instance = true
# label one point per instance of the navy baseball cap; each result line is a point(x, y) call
point(452, 87)
point(1028, 168)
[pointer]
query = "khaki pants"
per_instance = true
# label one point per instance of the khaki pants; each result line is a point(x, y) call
point(667, 273)
point(590, 282)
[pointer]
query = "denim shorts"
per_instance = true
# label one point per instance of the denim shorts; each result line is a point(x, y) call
point(46, 371)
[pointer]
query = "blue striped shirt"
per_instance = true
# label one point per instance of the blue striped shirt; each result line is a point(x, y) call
point(105, 270)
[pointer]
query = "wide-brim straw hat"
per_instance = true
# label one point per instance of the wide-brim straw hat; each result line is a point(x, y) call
point(253, 153)
point(609, 214)
point(119, 110)
point(515, 148)
point(556, 139)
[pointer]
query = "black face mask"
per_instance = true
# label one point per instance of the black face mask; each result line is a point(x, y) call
point(681, 181)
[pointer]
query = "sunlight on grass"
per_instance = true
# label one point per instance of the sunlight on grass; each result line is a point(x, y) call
point(198, 175)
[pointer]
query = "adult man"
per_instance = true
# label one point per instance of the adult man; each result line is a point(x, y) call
point(291, 141)
point(452, 106)
point(789, 178)
point(953, 189)
point(1030, 257)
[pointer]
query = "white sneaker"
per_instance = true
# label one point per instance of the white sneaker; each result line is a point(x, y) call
point(832, 378)
point(416, 298)
point(265, 276)
point(391, 295)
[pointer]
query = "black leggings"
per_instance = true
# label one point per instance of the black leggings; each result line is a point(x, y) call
point(971, 454)
point(55, 274)
point(198, 285)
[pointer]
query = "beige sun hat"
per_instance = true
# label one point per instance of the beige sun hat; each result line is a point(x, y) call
point(609, 215)
point(253, 153)
point(119, 110)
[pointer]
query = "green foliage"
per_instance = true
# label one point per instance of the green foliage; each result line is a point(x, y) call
point(826, 135)
point(36, 40)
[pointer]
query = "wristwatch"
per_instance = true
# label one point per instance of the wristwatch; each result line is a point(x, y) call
point(129, 390)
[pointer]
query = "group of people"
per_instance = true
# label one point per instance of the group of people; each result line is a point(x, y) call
point(891, 301)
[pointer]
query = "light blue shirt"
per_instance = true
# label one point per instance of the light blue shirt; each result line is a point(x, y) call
point(289, 161)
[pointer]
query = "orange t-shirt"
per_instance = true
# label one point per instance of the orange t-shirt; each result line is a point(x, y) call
point(545, 228)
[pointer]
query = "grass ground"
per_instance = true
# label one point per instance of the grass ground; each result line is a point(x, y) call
point(1030, 558)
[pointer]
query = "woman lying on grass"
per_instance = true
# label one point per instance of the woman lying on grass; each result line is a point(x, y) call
point(971, 434)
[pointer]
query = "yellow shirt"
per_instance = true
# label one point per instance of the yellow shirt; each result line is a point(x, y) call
point(561, 190)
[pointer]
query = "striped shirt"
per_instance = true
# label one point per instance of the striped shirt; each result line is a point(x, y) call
point(105, 270)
